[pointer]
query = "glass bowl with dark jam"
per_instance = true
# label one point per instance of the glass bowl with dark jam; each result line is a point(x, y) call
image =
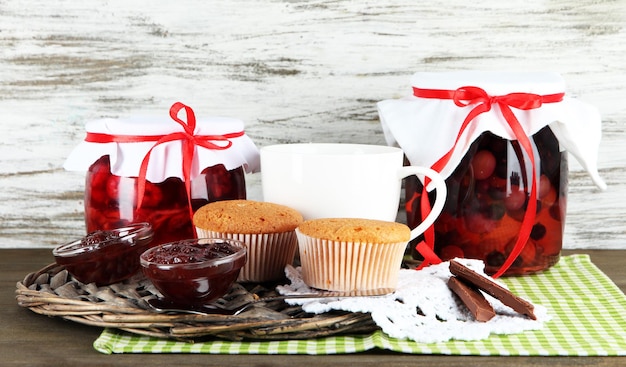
point(194, 272)
point(105, 256)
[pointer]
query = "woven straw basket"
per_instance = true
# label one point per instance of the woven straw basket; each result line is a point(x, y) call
point(52, 291)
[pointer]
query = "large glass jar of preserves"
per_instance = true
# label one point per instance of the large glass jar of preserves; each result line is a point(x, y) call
point(501, 140)
point(160, 171)
point(488, 196)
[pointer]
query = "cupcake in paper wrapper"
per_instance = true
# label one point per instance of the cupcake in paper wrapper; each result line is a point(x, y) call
point(268, 253)
point(267, 229)
point(350, 254)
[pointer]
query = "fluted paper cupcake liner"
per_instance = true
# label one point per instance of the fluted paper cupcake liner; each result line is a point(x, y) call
point(349, 266)
point(268, 253)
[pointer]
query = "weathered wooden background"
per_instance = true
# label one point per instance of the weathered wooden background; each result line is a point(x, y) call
point(293, 70)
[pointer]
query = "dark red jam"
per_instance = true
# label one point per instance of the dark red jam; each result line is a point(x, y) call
point(111, 200)
point(193, 273)
point(105, 257)
point(487, 198)
point(185, 253)
point(98, 239)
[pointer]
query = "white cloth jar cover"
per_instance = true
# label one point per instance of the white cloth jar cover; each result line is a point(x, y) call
point(128, 141)
point(427, 128)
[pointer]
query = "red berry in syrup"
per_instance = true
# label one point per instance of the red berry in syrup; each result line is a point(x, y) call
point(515, 200)
point(483, 164)
point(544, 186)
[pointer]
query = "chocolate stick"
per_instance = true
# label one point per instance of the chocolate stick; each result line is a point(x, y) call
point(492, 288)
point(473, 299)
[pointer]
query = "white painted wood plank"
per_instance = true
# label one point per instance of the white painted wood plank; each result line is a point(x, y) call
point(292, 70)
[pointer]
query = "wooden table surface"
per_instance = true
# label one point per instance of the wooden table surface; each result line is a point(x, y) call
point(29, 339)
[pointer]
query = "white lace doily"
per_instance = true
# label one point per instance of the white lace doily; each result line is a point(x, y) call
point(422, 308)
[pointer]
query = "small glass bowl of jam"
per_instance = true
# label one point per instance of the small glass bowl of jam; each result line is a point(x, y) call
point(194, 272)
point(105, 256)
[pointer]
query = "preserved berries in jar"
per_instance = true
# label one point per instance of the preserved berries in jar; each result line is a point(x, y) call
point(111, 200)
point(501, 139)
point(160, 170)
point(488, 194)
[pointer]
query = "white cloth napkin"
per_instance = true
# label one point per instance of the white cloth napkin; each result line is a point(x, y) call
point(426, 129)
point(165, 159)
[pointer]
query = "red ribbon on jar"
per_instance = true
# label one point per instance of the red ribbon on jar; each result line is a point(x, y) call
point(190, 141)
point(473, 96)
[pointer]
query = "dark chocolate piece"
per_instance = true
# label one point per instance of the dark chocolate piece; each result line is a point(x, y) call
point(473, 299)
point(492, 288)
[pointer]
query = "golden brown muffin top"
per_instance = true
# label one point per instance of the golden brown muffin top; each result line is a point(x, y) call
point(246, 216)
point(356, 230)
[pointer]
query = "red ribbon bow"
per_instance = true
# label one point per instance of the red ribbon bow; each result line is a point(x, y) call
point(482, 102)
point(188, 140)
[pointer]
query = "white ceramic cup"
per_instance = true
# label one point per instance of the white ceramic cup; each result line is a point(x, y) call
point(339, 180)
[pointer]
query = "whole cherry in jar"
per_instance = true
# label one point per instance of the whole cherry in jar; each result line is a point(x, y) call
point(161, 170)
point(501, 140)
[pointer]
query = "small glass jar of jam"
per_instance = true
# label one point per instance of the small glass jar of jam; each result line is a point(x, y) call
point(501, 140)
point(157, 171)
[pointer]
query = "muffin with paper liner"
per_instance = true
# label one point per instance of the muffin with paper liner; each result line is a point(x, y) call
point(267, 229)
point(351, 254)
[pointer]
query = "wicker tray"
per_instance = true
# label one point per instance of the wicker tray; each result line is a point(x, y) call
point(52, 291)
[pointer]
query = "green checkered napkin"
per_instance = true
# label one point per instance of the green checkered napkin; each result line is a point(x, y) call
point(588, 318)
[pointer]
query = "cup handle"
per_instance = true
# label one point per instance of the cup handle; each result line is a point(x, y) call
point(440, 199)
